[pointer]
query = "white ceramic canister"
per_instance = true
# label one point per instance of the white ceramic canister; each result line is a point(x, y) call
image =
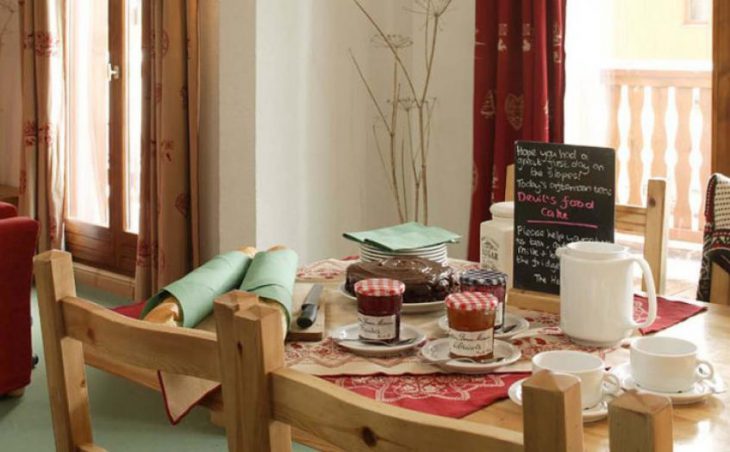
point(496, 239)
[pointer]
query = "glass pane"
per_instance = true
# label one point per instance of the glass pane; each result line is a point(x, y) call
point(134, 115)
point(88, 114)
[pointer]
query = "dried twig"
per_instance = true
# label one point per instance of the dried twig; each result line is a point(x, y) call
point(418, 156)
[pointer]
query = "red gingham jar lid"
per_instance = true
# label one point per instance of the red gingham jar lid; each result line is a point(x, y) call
point(471, 301)
point(379, 287)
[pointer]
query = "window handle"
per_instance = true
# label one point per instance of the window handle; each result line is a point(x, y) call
point(112, 72)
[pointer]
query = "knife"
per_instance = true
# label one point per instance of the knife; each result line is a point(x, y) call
point(310, 307)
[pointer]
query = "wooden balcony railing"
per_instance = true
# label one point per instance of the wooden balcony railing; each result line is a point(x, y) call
point(659, 122)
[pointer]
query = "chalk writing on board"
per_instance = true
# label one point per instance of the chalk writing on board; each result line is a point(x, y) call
point(563, 194)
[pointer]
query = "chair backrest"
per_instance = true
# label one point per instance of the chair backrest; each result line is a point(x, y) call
point(651, 221)
point(272, 399)
point(719, 285)
point(263, 399)
point(68, 324)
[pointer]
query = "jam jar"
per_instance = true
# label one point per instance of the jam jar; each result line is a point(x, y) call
point(489, 281)
point(379, 302)
point(471, 325)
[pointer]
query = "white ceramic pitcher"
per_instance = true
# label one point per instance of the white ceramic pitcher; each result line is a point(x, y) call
point(597, 295)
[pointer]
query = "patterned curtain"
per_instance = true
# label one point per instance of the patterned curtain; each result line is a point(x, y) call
point(43, 151)
point(519, 83)
point(167, 247)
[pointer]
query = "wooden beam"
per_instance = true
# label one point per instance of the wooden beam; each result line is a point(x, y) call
point(534, 301)
point(552, 413)
point(66, 376)
point(656, 232)
point(719, 285)
point(355, 423)
point(118, 336)
point(259, 352)
point(641, 422)
point(224, 309)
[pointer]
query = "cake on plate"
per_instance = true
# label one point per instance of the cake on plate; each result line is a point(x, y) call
point(425, 279)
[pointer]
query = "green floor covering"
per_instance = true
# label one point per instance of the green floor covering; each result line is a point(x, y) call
point(125, 416)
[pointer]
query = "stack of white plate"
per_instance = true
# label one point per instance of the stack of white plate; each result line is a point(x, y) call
point(371, 253)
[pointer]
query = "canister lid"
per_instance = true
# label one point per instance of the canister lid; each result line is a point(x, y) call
point(472, 301)
point(503, 209)
point(483, 277)
point(379, 287)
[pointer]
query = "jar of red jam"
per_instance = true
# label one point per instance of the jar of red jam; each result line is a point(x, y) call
point(471, 325)
point(379, 302)
point(488, 281)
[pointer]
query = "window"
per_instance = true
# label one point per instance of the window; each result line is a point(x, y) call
point(104, 109)
point(697, 12)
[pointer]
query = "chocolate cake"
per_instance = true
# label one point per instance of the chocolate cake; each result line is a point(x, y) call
point(425, 280)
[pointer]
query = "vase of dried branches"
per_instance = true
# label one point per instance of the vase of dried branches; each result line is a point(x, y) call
point(402, 128)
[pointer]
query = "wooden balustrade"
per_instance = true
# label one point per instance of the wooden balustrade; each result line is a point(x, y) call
point(672, 98)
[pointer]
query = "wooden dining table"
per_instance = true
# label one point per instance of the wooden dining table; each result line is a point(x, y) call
point(703, 426)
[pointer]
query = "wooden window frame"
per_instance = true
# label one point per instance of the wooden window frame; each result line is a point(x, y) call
point(110, 248)
point(721, 87)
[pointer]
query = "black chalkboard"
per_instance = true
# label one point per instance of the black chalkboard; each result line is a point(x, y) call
point(563, 194)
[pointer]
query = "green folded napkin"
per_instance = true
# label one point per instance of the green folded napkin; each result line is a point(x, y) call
point(404, 236)
point(272, 275)
point(197, 290)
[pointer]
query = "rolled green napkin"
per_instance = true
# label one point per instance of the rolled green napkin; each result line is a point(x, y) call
point(404, 236)
point(197, 290)
point(272, 275)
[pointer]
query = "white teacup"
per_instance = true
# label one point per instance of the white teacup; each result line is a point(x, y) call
point(588, 368)
point(667, 364)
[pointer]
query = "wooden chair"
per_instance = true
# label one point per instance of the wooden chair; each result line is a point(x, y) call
point(719, 285)
point(69, 323)
point(651, 221)
point(263, 399)
point(274, 399)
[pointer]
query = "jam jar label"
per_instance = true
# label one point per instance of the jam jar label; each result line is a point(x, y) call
point(377, 327)
point(471, 343)
point(499, 316)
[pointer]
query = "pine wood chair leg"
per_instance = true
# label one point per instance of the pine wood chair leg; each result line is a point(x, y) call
point(224, 309)
point(719, 285)
point(641, 422)
point(656, 232)
point(64, 356)
point(251, 333)
point(552, 413)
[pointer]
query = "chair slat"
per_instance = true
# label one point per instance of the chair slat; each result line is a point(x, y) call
point(164, 347)
point(64, 357)
point(640, 422)
point(354, 422)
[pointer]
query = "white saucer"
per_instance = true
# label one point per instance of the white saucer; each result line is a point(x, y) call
point(509, 319)
point(408, 308)
point(352, 332)
point(593, 414)
point(699, 392)
point(439, 350)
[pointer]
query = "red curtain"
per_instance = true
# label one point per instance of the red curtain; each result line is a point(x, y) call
point(519, 82)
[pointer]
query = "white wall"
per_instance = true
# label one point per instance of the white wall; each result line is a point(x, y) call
point(318, 173)
point(228, 125)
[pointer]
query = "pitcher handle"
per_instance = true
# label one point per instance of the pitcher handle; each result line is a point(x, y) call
point(650, 290)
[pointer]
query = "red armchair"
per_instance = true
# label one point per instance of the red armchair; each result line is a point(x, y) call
point(18, 236)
